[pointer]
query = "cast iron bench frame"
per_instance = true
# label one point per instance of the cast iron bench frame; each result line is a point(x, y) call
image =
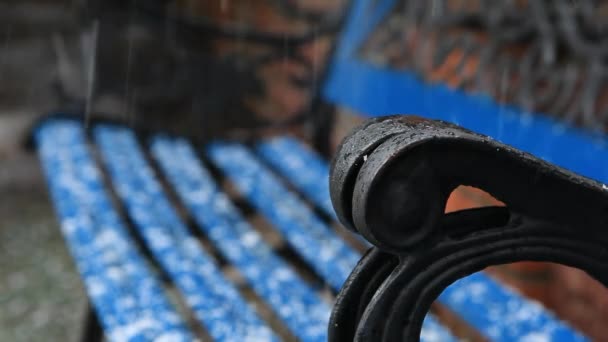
point(390, 182)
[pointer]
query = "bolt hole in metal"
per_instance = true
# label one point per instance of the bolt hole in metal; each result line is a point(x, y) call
point(468, 197)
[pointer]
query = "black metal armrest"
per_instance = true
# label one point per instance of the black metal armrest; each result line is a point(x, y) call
point(390, 182)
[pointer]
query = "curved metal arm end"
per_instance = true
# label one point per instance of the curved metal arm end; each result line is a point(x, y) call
point(390, 182)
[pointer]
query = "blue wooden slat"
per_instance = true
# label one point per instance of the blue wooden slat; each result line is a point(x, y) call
point(127, 297)
point(513, 317)
point(325, 252)
point(214, 300)
point(296, 303)
point(304, 169)
point(502, 314)
point(432, 331)
point(81, 202)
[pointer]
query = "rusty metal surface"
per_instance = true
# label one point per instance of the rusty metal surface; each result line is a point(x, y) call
point(390, 181)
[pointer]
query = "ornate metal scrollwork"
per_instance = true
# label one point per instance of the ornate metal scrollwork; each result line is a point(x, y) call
point(390, 182)
point(545, 57)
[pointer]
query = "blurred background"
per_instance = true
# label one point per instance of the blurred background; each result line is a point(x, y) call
point(250, 68)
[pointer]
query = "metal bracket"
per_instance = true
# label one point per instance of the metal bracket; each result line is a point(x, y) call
point(390, 182)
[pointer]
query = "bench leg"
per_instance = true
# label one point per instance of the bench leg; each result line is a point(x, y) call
point(92, 331)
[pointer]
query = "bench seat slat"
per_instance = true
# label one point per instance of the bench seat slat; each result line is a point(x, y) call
point(494, 310)
point(325, 252)
point(303, 167)
point(296, 303)
point(503, 315)
point(214, 299)
point(128, 298)
point(308, 173)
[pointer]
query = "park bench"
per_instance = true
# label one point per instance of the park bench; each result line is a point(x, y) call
point(143, 212)
point(239, 241)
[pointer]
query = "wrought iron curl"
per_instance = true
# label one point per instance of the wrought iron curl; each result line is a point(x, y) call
point(535, 55)
point(390, 181)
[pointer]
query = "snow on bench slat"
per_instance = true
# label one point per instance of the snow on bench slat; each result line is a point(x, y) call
point(502, 314)
point(215, 300)
point(303, 167)
point(296, 303)
point(128, 299)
